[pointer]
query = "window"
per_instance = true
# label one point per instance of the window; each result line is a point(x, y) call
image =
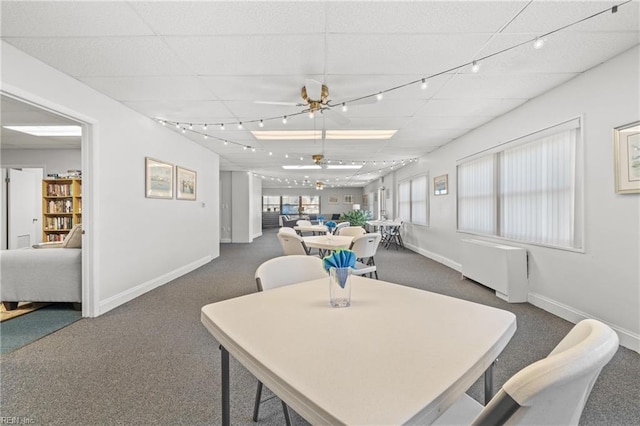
point(413, 200)
point(291, 204)
point(271, 203)
point(525, 191)
point(310, 204)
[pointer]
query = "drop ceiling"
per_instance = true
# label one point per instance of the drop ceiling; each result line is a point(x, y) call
point(218, 62)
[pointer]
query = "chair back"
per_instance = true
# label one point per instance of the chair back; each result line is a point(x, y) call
point(366, 245)
point(303, 222)
point(352, 231)
point(292, 244)
point(555, 389)
point(340, 226)
point(285, 270)
point(287, 230)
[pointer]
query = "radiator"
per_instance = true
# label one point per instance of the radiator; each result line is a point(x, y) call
point(499, 267)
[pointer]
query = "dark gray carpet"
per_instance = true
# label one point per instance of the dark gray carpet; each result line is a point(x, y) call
point(151, 361)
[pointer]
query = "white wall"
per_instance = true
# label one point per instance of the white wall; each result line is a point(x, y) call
point(133, 244)
point(602, 282)
point(51, 160)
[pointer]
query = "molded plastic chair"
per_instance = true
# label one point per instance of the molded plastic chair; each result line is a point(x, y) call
point(303, 222)
point(287, 230)
point(552, 391)
point(340, 226)
point(352, 231)
point(292, 244)
point(365, 247)
point(278, 272)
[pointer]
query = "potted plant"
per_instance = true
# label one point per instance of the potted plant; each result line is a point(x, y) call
point(356, 217)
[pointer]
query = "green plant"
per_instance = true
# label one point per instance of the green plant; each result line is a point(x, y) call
point(356, 217)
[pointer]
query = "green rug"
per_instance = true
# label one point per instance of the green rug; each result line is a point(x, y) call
point(20, 331)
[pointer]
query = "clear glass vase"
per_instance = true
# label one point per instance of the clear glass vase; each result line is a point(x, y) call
point(340, 287)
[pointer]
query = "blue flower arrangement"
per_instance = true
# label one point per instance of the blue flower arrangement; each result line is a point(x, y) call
point(331, 225)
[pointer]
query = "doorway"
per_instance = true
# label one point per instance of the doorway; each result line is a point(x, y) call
point(44, 156)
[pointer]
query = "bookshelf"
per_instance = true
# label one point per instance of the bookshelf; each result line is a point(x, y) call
point(61, 207)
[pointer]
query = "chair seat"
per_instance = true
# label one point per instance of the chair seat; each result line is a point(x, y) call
point(462, 412)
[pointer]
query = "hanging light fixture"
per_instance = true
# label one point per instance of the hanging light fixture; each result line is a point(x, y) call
point(319, 186)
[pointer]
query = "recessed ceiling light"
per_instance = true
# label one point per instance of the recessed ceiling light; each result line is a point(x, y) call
point(302, 167)
point(48, 130)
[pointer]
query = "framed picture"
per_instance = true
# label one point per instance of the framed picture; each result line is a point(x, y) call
point(626, 146)
point(441, 185)
point(186, 184)
point(333, 199)
point(348, 199)
point(159, 179)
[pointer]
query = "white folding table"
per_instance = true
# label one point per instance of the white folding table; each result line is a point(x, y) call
point(396, 355)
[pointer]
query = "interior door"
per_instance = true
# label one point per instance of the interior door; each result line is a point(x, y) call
point(22, 210)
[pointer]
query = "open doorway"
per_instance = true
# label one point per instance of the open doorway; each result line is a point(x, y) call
point(23, 155)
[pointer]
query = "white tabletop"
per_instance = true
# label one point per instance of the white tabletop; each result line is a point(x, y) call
point(328, 242)
point(311, 228)
point(397, 355)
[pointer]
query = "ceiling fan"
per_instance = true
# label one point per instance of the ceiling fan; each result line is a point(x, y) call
point(316, 99)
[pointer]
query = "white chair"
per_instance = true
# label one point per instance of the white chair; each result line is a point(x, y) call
point(552, 391)
point(340, 226)
point(292, 243)
point(365, 247)
point(287, 230)
point(303, 222)
point(352, 231)
point(278, 272)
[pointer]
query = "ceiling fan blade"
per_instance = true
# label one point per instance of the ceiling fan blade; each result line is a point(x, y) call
point(314, 89)
point(336, 117)
point(277, 103)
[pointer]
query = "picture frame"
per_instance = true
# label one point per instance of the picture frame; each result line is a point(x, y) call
point(348, 199)
point(441, 185)
point(626, 146)
point(333, 199)
point(159, 179)
point(186, 184)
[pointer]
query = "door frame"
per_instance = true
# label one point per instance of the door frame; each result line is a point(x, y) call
point(90, 282)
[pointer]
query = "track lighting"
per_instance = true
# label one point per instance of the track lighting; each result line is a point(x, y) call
point(261, 123)
point(379, 96)
point(475, 66)
point(222, 126)
point(423, 85)
point(204, 127)
point(538, 43)
point(344, 107)
point(240, 125)
point(284, 120)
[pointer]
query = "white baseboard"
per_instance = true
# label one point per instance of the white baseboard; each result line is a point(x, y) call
point(627, 338)
point(225, 240)
point(130, 294)
point(433, 256)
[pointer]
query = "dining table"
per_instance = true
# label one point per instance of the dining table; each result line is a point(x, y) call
point(328, 242)
point(397, 355)
point(310, 228)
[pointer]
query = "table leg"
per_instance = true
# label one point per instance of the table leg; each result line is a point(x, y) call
point(488, 383)
point(226, 412)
